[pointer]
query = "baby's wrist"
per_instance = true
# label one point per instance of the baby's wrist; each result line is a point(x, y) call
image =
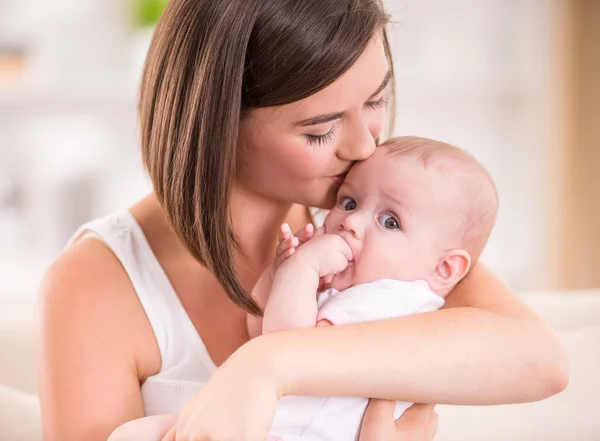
point(271, 271)
point(299, 265)
point(310, 257)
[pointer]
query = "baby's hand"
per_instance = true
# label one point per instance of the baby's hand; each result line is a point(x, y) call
point(327, 254)
point(289, 242)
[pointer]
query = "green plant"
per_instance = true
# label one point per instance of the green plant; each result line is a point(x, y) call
point(147, 12)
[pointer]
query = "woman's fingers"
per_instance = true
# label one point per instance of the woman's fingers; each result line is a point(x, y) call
point(170, 436)
point(378, 422)
point(419, 423)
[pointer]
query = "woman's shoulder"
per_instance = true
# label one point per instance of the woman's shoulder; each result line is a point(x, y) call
point(93, 342)
point(84, 267)
point(87, 291)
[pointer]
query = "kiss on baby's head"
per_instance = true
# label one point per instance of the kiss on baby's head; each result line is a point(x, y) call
point(417, 209)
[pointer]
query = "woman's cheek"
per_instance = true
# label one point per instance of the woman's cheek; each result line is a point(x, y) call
point(376, 126)
point(314, 161)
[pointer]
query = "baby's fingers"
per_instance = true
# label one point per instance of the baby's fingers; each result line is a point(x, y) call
point(305, 234)
point(287, 244)
point(283, 256)
point(285, 232)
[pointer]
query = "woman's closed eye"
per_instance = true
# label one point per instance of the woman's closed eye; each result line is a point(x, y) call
point(389, 222)
point(379, 104)
point(321, 139)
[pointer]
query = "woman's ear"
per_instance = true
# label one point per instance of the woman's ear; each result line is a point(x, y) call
point(451, 268)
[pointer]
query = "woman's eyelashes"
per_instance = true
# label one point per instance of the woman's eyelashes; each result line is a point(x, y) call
point(321, 139)
point(330, 136)
point(379, 104)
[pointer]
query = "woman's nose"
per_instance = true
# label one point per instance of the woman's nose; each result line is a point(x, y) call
point(358, 145)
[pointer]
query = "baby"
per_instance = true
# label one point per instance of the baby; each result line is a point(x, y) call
point(408, 224)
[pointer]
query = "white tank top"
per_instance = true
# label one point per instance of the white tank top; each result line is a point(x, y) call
point(186, 364)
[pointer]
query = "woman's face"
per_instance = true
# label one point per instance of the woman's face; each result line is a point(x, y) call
point(300, 152)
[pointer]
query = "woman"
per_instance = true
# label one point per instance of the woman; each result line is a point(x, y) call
point(251, 111)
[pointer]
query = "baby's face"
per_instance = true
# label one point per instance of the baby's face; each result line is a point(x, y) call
point(391, 211)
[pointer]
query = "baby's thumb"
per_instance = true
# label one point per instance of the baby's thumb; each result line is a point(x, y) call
point(346, 251)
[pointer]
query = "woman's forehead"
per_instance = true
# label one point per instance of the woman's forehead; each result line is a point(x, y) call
point(352, 89)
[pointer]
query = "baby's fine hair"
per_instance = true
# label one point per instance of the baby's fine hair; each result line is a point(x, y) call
point(477, 206)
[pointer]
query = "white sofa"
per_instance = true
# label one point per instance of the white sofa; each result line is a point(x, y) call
point(569, 416)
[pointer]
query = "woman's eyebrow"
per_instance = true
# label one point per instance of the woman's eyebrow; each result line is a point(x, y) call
point(321, 119)
point(384, 83)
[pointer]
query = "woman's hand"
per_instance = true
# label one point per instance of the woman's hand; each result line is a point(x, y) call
point(236, 404)
point(418, 423)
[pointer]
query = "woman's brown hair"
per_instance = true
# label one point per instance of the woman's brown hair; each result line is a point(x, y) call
point(210, 62)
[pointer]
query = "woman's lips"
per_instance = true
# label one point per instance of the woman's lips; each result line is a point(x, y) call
point(338, 179)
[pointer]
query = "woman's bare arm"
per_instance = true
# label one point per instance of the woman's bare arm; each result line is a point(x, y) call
point(487, 347)
point(90, 342)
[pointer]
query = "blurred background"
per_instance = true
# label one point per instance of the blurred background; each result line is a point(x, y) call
point(516, 82)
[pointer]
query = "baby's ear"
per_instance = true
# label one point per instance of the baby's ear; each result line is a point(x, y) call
point(451, 268)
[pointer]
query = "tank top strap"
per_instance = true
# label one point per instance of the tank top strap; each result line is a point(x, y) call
point(175, 334)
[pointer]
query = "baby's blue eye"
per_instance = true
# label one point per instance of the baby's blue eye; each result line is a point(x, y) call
point(348, 204)
point(389, 222)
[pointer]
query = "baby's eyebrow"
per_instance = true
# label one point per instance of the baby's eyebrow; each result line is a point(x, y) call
point(395, 200)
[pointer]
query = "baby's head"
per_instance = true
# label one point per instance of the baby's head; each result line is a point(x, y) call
point(417, 209)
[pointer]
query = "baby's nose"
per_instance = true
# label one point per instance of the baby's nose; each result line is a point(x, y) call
point(353, 225)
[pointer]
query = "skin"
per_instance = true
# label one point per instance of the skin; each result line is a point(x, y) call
point(393, 219)
point(393, 213)
point(91, 318)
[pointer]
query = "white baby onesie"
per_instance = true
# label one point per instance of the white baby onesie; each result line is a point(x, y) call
point(339, 418)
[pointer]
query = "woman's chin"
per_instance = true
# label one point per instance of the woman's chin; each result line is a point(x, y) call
point(323, 195)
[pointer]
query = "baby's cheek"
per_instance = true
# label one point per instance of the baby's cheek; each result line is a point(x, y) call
point(329, 221)
point(385, 264)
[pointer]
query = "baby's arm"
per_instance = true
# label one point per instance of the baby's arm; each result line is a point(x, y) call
point(288, 244)
point(292, 303)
